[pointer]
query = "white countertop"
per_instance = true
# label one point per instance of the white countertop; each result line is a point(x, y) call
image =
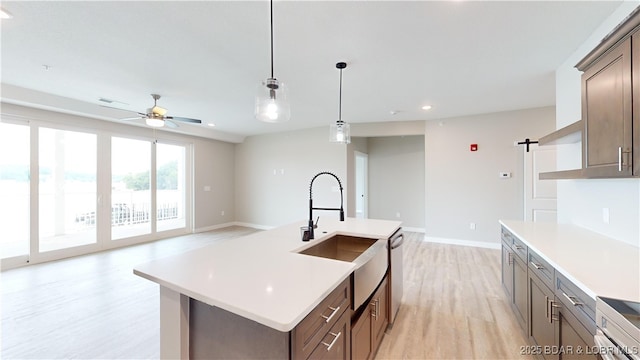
point(598, 265)
point(261, 276)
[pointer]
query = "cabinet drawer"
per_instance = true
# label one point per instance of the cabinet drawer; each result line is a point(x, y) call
point(336, 344)
point(582, 306)
point(541, 268)
point(313, 328)
point(507, 236)
point(518, 247)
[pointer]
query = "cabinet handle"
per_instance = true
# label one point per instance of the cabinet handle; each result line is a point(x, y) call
point(546, 313)
point(537, 266)
point(621, 163)
point(336, 336)
point(518, 247)
point(572, 300)
point(328, 318)
point(509, 258)
point(377, 308)
point(619, 158)
point(549, 310)
point(374, 311)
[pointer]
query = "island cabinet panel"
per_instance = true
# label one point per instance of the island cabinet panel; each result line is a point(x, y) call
point(215, 333)
point(324, 333)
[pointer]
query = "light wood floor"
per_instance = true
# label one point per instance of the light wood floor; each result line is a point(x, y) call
point(93, 307)
point(453, 306)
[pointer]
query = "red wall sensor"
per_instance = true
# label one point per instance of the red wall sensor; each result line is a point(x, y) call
point(473, 147)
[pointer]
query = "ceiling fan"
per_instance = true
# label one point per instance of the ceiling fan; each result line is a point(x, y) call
point(156, 116)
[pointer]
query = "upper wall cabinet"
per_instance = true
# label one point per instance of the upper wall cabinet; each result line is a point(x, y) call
point(610, 114)
point(610, 124)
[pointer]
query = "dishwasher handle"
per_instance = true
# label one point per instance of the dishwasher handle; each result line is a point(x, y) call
point(397, 242)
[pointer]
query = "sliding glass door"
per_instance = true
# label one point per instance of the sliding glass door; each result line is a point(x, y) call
point(170, 187)
point(130, 187)
point(67, 189)
point(14, 190)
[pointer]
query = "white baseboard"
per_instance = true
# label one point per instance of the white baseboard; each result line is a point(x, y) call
point(213, 227)
point(480, 244)
point(255, 226)
point(232, 223)
point(413, 229)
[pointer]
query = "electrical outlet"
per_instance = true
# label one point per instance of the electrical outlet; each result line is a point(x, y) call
point(398, 214)
point(222, 213)
point(605, 215)
point(472, 226)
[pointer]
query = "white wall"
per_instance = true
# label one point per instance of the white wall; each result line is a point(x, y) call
point(273, 173)
point(463, 187)
point(581, 202)
point(214, 166)
point(396, 179)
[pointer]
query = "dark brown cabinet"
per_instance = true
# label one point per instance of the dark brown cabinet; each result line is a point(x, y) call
point(514, 275)
point(610, 124)
point(336, 344)
point(607, 114)
point(368, 329)
point(558, 315)
point(541, 329)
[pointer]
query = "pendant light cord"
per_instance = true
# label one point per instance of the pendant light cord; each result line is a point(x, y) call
point(271, 2)
point(340, 100)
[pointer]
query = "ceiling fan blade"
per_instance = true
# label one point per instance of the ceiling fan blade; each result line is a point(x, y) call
point(169, 123)
point(134, 118)
point(184, 119)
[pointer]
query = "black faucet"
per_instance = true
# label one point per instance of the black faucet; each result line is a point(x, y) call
point(311, 208)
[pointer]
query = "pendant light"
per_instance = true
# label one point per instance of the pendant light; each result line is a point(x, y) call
point(272, 105)
point(340, 132)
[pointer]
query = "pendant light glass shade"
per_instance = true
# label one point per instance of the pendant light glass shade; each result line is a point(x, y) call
point(340, 132)
point(272, 105)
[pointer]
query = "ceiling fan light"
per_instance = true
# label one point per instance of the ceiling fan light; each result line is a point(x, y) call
point(157, 110)
point(155, 122)
point(272, 105)
point(340, 133)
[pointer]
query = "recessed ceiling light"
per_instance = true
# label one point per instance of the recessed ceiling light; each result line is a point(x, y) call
point(426, 107)
point(211, 124)
point(4, 14)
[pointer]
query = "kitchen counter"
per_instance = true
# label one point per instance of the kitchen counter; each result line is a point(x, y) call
point(599, 265)
point(261, 277)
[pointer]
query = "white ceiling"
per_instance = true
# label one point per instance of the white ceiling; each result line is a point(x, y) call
point(206, 58)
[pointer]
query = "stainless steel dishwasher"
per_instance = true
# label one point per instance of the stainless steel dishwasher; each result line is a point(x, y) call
point(395, 273)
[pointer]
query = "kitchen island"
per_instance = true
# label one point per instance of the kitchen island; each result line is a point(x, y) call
point(260, 277)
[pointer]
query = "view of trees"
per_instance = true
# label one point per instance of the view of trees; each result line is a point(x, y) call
point(167, 178)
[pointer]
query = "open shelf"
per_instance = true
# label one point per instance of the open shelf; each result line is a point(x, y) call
point(567, 135)
point(562, 174)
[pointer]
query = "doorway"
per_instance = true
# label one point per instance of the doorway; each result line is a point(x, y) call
point(362, 205)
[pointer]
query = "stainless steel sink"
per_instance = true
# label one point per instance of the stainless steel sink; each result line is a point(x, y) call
point(369, 256)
